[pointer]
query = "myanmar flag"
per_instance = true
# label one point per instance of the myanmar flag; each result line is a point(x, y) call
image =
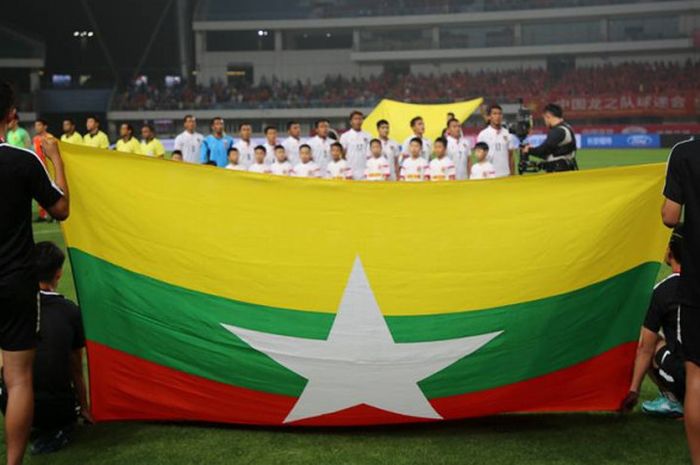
point(222, 296)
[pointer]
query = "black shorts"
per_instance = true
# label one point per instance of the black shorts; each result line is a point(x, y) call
point(19, 316)
point(689, 333)
point(671, 371)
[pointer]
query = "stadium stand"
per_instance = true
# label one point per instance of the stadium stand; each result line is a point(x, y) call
point(335, 91)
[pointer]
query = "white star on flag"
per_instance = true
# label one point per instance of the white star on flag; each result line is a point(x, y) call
point(360, 363)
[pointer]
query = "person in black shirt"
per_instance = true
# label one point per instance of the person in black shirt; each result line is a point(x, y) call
point(22, 178)
point(559, 148)
point(59, 386)
point(682, 192)
point(660, 356)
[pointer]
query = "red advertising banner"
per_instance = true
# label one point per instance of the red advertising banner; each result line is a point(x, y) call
point(671, 104)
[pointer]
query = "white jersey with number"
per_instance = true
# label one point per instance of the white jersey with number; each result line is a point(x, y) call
point(392, 152)
point(190, 144)
point(425, 151)
point(458, 150)
point(306, 170)
point(269, 152)
point(246, 152)
point(377, 169)
point(500, 144)
point(414, 169)
point(484, 170)
point(442, 169)
point(321, 151)
point(338, 170)
point(356, 146)
point(291, 146)
point(260, 168)
point(235, 167)
point(281, 169)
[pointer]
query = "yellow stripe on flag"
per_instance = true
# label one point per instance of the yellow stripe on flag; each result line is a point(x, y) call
point(290, 243)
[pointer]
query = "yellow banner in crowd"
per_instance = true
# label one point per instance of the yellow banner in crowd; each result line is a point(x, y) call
point(399, 115)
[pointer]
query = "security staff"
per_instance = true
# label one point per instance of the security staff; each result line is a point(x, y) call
point(559, 148)
point(22, 178)
point(683, 198)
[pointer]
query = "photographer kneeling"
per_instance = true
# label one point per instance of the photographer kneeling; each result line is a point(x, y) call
point(559, 148)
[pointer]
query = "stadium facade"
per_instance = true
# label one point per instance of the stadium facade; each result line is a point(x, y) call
point(344, 38)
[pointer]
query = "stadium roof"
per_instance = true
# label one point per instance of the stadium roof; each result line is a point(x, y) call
point(225, 10)
point(18, 45)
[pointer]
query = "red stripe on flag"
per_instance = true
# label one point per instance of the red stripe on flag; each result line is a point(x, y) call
point(598, 384)
point(125, 387)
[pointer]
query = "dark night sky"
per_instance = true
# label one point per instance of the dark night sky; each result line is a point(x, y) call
point(125, 25)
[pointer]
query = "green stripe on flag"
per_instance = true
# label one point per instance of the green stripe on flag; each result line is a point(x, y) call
point(181, 329)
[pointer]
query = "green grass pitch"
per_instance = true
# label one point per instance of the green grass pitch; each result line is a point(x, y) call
point(554, 439)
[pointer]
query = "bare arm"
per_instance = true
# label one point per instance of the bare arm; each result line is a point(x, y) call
point(671, 213)
point(645, 353)
point(79, 383)
point(511, 161)
point(61, 208)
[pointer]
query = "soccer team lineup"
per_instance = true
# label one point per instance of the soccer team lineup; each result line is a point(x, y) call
point(355, 154)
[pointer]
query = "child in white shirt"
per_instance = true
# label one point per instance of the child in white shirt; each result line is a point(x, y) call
point(233, 160)
point(442, 168)
point(338, 168)
point(483, 169)
point(259, 166)
point(306, 168)
point(415, 168)
point(378, 168)
point(281, 166)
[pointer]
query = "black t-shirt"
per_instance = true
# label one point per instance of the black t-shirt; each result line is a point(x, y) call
point(61, 332)
point(22, 178)
point(683, 187)
point(663, 310)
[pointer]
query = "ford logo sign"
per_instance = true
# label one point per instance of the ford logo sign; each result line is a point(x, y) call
point(640, 140)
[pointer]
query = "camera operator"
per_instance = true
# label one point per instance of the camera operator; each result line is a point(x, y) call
point(559, 148)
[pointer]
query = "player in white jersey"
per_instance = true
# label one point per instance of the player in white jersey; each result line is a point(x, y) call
point(355, 143)
point(270, 144)
point(390, 149)
point(293, 142)
point(483, 169)
point(377, 164)
point(500, 142)
point(259, 165)
point(414, 168)
point(244, 144)
point(306, 168)
point(441, 167)
point(233, 160)
point(189, 142)
point(338, 168)
point(458, 149)
point(281, 166)
point(321, 144)
point(418, 128)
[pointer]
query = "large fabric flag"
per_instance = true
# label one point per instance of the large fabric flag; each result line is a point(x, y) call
point(222, 296)
point(400, 114)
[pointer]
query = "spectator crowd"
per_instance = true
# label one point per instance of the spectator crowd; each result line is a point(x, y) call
point(501, 85)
